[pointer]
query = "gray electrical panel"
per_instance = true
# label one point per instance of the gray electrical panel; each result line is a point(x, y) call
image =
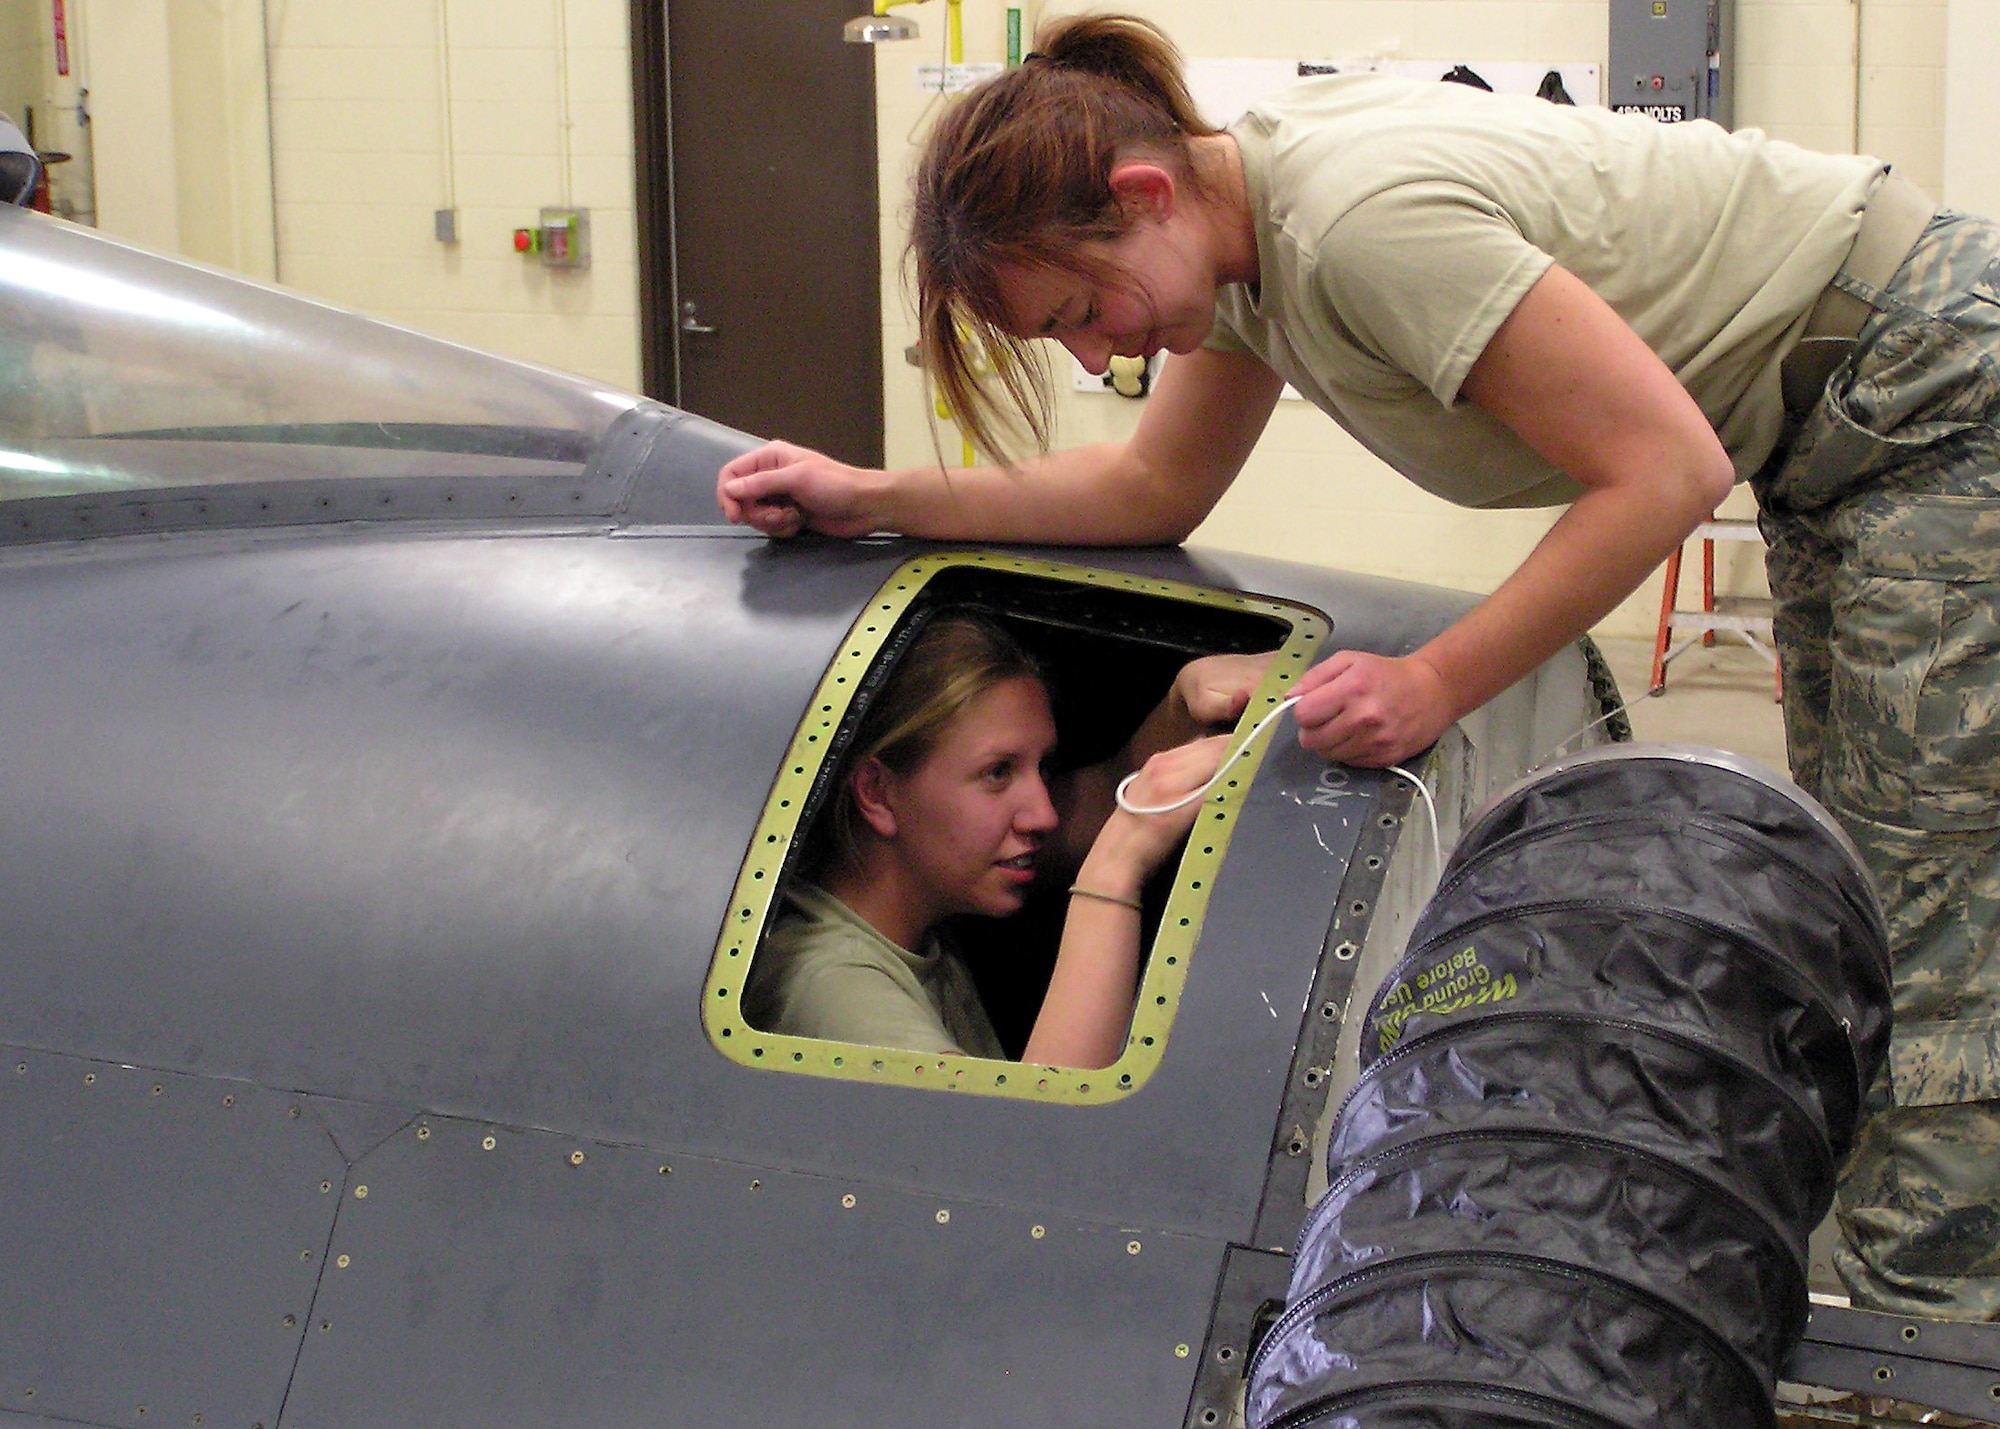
point(1672, 59)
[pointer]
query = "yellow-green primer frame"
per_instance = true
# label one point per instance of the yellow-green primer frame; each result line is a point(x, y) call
point(1180, 924)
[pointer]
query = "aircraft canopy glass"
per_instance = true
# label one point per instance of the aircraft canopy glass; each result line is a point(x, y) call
point(122, 370)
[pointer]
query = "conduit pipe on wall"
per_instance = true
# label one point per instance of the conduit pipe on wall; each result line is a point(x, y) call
point(1860, 14)
point(564, 121)
point(1601, 1105)
point(447, 118)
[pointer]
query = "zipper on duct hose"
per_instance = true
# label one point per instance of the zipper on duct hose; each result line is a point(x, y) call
point(1426, 1041)
point(1419, 1266)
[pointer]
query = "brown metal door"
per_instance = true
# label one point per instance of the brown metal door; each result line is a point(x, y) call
point(760, 267)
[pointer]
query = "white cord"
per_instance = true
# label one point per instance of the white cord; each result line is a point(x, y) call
point(1125, 802)
point(1557, 752)
point(1431, 808)
point(1124, 785)
point(1430, 804)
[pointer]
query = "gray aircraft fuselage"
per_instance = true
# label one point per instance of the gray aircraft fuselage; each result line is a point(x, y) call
point(376, 796)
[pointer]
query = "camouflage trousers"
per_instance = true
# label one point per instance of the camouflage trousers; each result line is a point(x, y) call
point(1882, 513)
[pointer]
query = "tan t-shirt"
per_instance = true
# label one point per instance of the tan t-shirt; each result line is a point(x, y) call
point(823, 972)
point(1399, 223)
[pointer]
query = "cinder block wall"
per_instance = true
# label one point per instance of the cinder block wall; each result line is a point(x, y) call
point(314, 140)
point(1971, 107)
point(363, 157)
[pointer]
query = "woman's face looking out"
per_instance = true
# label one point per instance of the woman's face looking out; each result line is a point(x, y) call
point(962, 829)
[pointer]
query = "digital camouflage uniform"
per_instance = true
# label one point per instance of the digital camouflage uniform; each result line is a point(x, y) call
point(1882, 512)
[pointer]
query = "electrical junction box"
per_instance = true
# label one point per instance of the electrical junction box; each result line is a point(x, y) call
point(561, 238)
point(1672, 60)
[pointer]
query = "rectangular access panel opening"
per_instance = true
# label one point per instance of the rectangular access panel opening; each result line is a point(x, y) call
point(1108, 646)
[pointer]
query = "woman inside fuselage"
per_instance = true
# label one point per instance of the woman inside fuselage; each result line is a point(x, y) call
point(945, 810)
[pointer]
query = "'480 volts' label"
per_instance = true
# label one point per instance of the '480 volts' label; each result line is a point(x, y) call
point(1452, 983)
point(1663, 113)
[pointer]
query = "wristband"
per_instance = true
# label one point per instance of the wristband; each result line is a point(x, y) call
point(1077, 891)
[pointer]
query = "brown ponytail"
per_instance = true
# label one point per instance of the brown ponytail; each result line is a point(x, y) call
point(1017, 175)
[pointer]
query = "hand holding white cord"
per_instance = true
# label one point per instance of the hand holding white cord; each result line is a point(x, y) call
point(1124, 785)
point(1195, 795)
point(1370, 711)
point(1430, 805)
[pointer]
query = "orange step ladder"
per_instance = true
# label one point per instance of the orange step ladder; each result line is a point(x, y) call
point(1747, 616)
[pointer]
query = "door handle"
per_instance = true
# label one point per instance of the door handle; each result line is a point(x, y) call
point(692, 323)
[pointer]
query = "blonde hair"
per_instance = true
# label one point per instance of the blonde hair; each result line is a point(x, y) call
point(1017, 175)
point(953, 661)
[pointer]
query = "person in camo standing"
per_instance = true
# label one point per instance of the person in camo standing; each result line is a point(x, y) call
point(1882, 512)
point(1512, 303)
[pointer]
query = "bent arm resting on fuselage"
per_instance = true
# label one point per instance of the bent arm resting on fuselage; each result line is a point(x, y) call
point(1564, 372)
point(1198, 428)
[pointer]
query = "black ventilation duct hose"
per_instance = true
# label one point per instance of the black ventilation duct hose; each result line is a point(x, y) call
point(1601, 1105)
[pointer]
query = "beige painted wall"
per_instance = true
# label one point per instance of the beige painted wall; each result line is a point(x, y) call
point(308, 139)
point(1972, 106)
point(20, 57)
point(124, 58)
point(221, 134)
point(367, 147)
point(1308, 492)
point(177, 127)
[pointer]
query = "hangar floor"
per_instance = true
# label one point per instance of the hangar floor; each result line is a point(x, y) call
point(1718, 695)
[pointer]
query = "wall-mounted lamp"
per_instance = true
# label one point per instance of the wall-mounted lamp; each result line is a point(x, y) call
point(875, 28)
